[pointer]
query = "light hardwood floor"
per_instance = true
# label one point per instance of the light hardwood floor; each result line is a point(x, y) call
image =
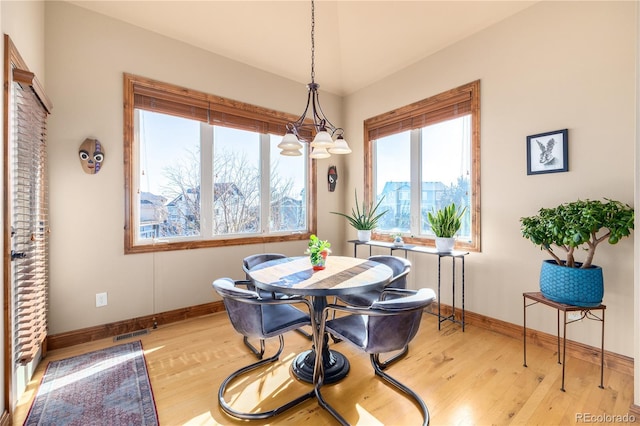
point(470, 378)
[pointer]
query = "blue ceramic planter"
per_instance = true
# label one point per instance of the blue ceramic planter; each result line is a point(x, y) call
point(573, 286)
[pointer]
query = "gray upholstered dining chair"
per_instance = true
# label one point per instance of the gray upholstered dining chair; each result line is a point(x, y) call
point(251, 262)
point(248, 263)
point(387, 325)
point(256, 259)
point(253, 316)
point(400, 267)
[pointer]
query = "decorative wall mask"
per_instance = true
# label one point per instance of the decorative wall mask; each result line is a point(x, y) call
point(91, 156)
point(332, 178)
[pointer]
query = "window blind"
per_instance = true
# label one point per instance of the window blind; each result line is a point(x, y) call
point(167, 102)
point(186, 103)
point(420, 114)
point(29, 212)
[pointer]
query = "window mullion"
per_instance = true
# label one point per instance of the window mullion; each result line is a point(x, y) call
point(136, 157)
point(374, 171)
point(416, 180)
point(206, 179)
point(265, 183)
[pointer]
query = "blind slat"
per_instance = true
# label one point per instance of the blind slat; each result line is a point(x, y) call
point(220, 118)
point(181, 102)
point(29, 220)
point(171, 107)
point(424, 113)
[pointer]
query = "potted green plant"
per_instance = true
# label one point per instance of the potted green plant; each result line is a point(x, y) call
point(364, 218)
point(318, 250)
point(445, 222)
point(582, 224)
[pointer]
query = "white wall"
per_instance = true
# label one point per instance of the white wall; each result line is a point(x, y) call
point(555, 65)
point(87, 54)
point(24, 22)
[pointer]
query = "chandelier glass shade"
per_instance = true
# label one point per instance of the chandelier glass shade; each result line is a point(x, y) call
point(328, 138)
point(290, 145)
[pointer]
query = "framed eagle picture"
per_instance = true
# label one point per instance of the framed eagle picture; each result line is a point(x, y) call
point(548, 152)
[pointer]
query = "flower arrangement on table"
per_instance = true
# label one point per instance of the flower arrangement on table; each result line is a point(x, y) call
point(318, 250)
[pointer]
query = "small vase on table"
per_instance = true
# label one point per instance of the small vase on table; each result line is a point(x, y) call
point(318, 260)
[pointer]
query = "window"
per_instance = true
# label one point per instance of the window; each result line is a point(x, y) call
point(425, 156)
point(204, 171)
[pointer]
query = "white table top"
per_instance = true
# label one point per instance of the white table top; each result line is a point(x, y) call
point(342, 275)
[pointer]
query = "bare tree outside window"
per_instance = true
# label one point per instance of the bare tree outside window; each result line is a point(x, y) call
point(236, 196)
point(182, 188)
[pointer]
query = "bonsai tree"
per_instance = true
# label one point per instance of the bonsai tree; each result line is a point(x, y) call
point(364, 218)
point(446, 221)
point(580, 224)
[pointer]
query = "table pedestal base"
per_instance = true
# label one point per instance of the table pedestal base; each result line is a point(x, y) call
point(336, 366)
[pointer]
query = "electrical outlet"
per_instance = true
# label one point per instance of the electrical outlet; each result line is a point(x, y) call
point(101, 299)
point(574, 316)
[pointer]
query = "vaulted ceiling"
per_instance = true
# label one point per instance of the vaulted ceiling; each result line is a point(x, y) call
point(357, 42)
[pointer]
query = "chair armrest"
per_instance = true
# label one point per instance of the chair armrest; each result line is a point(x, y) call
point(251, 286)
point(248, 284)
point(356, 310)
point(396, 291)
point(378, 310)
point(291, 300)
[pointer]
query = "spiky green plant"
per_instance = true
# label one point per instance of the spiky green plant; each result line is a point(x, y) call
point(446, 221)
point(364, 218)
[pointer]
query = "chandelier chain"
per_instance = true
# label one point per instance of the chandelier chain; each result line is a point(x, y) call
point(313, 43)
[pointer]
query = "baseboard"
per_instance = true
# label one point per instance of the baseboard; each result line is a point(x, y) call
point(620, 363)
point(617, 362)
point(84, 335)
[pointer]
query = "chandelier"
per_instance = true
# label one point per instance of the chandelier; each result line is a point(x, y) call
point(329, 138)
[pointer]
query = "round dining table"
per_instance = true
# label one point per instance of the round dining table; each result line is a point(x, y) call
point(342, 275)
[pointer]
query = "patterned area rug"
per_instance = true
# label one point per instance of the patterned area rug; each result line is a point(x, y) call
point(106, 387)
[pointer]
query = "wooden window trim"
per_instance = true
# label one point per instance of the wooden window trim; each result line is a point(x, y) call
point(443, 106)
point(27, 77)
point(188, 103)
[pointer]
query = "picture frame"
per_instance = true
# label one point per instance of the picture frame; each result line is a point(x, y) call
point(548, 152)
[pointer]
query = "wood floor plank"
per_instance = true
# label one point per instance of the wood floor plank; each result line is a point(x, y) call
point(470, 378)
